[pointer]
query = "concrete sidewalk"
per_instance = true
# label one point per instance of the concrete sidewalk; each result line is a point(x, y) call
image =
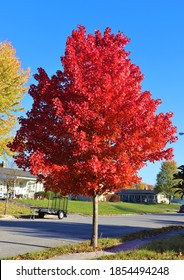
point(126, 246)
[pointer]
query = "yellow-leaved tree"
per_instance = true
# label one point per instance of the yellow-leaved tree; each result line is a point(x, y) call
point(12, 89)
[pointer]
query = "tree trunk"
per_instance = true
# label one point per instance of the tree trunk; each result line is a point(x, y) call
point(94, 238)
point(169, 199)
point(6, 206)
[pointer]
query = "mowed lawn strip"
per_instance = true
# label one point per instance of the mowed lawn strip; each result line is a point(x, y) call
point(85, 208)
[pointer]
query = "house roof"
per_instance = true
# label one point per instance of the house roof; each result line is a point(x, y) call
point(19, 173)
point(132, 191)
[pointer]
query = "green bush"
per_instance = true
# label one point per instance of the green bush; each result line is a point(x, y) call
point(49, 195)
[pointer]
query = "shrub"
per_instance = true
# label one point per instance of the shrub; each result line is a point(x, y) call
point(49, 195)
point(114, 198)
point(39, 195)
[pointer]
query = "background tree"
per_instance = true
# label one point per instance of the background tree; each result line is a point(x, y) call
point(140, 186)
point(164, 181)
point(91, 128)
point(9, 178)
point(12, 89)
point(179, 181)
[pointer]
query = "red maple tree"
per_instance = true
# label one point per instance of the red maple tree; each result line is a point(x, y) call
point(91, 127)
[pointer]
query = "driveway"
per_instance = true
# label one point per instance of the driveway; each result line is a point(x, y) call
point(20, 236)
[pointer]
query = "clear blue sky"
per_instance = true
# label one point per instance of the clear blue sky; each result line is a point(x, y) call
point(38, 30)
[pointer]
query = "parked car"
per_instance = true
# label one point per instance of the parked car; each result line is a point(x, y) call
point(181, 210)
point(3, 195)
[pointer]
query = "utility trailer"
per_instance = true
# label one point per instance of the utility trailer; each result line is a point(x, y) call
point(58, 207)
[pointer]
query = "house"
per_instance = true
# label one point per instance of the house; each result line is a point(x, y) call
point(21, 183)
point(138, 196)
point(162, 198)
point(142, 196)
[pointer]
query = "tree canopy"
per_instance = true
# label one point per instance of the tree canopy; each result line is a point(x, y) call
point(91, 127)
point(12, 89)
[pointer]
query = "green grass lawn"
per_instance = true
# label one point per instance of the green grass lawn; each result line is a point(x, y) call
point(171, 249)
point(105, 208)
point(13, 210)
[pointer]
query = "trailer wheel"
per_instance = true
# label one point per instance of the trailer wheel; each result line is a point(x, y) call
point(60, 214)
point(41, 215)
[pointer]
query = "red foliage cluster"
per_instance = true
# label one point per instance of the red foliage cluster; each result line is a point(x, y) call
point(91, 128)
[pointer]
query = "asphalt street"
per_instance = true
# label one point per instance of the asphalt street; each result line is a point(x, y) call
point(19, 236)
